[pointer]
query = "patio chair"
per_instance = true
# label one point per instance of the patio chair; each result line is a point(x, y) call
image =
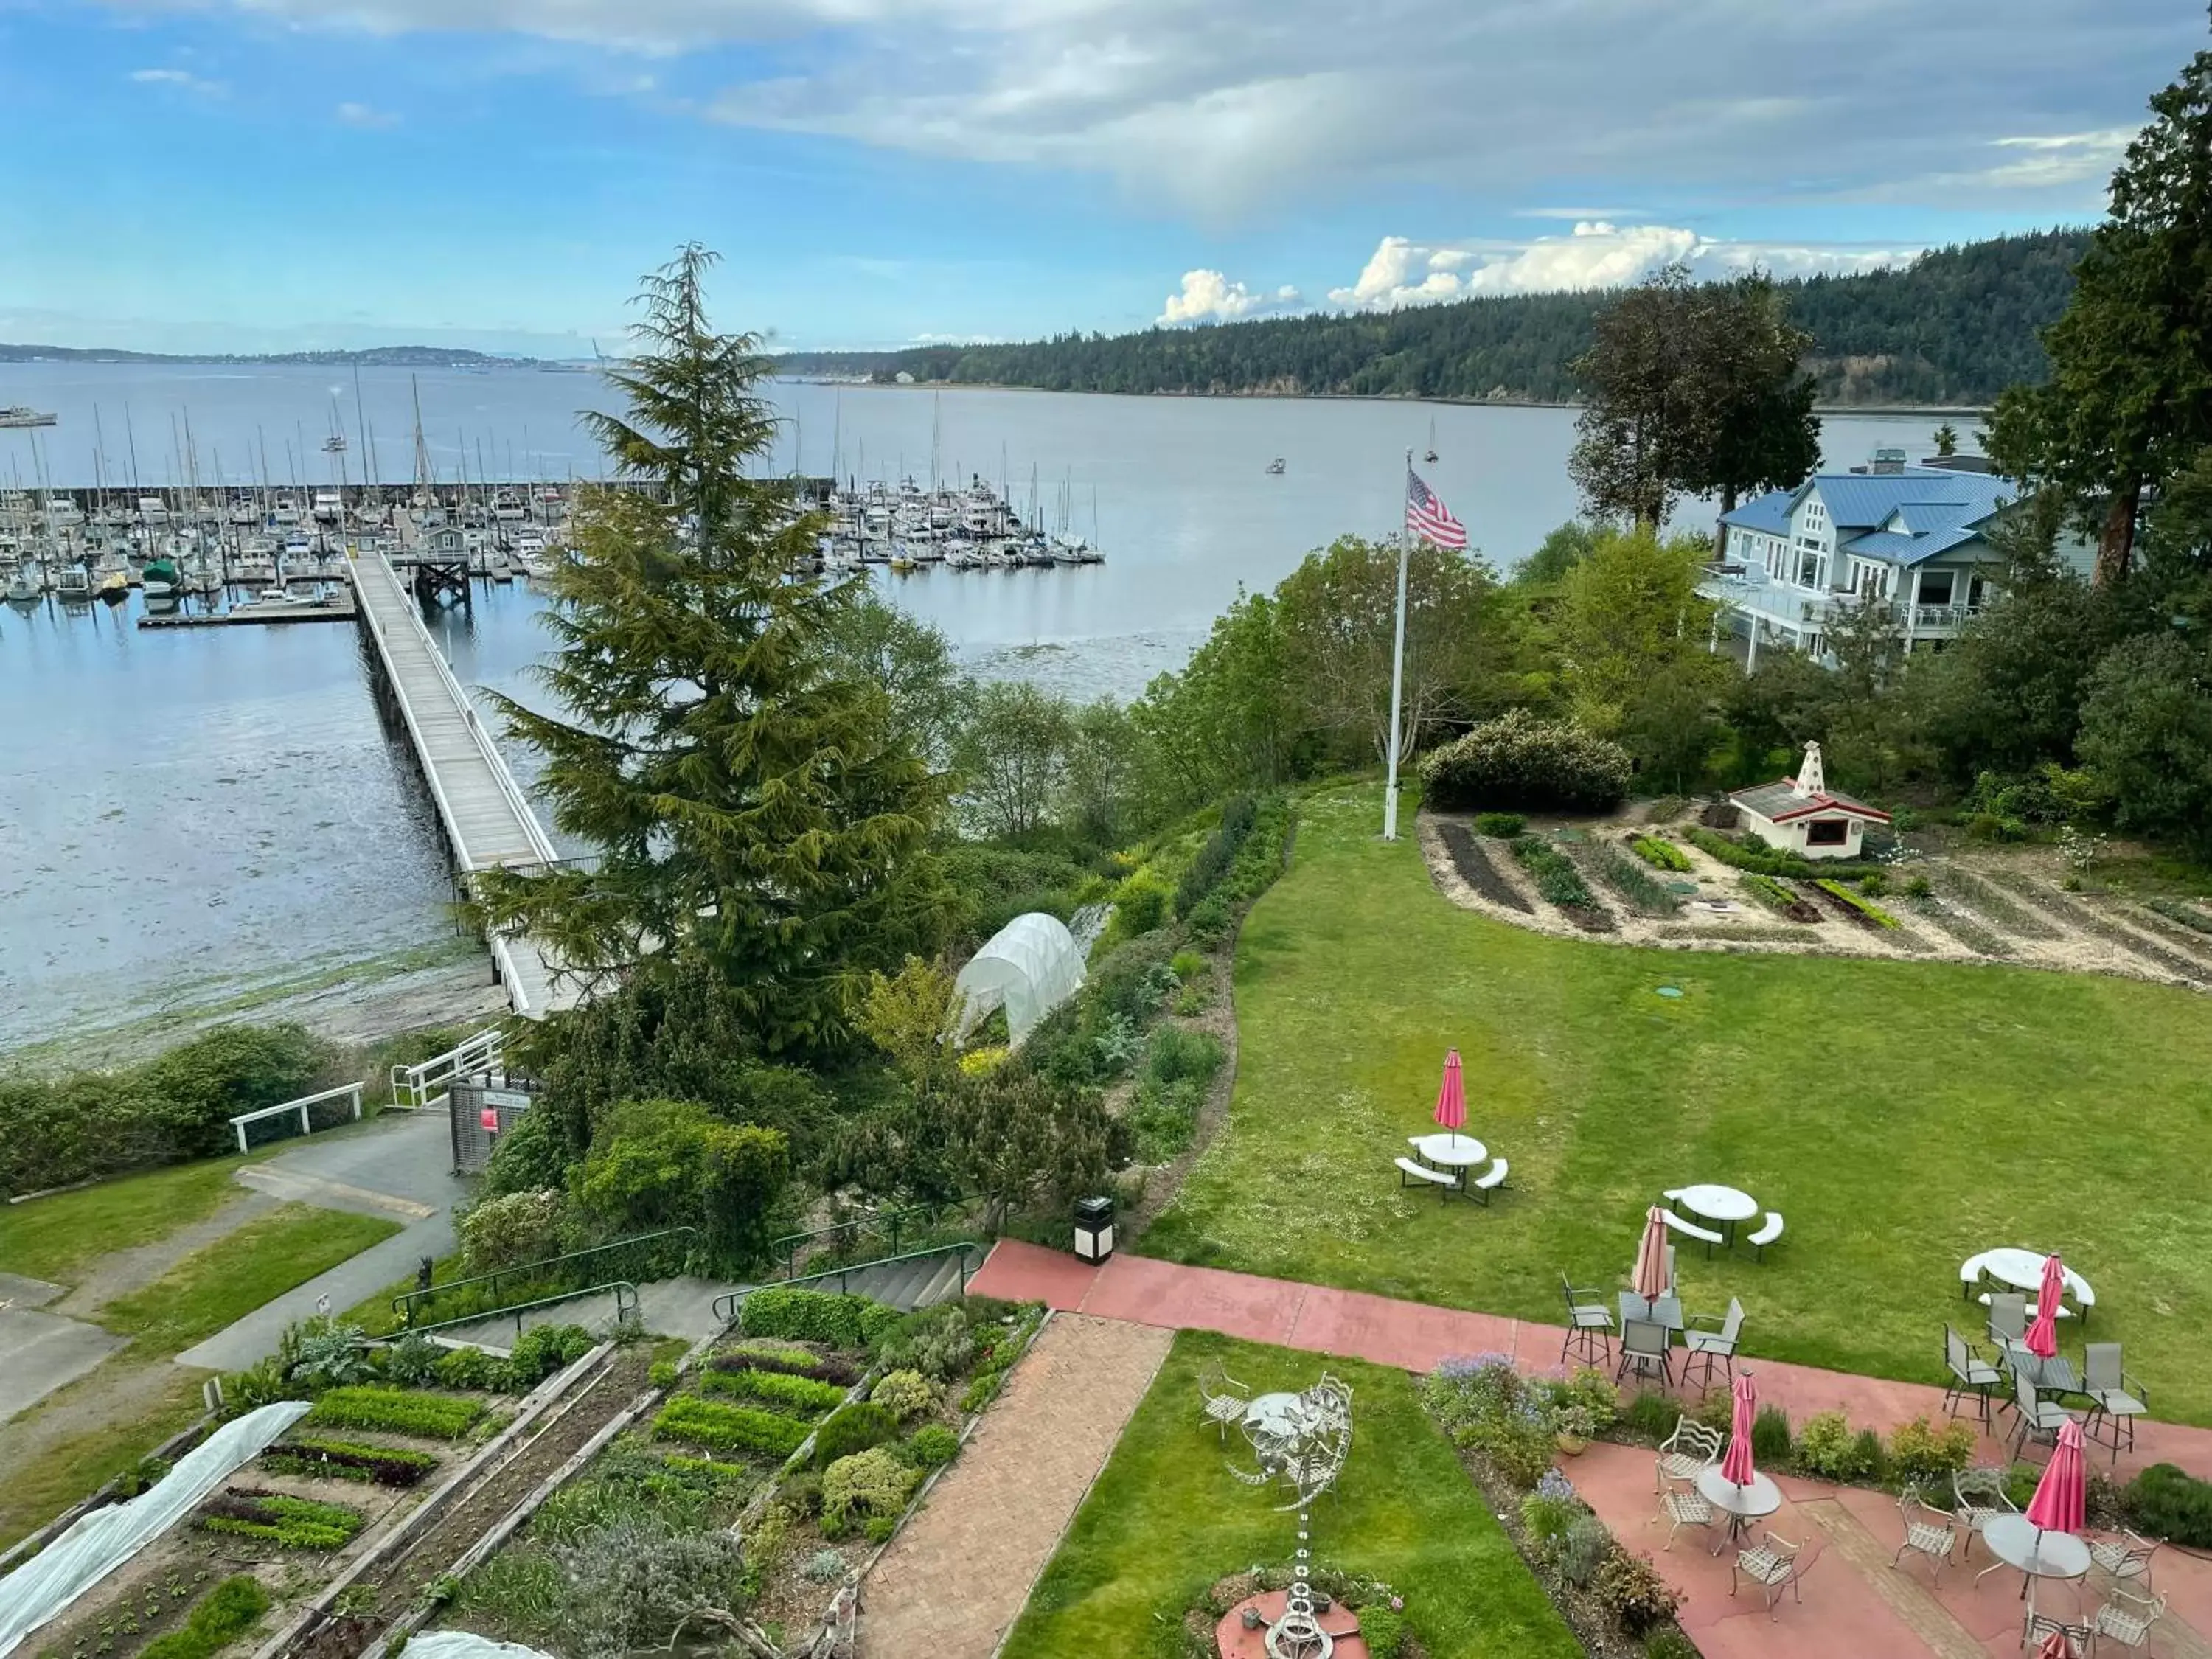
point(2008, 1319)
point(1704, 1347)
point(1643, 1346)
point(1928, 1531)
point(1691, 1447)
point(1225, 1399)
point(1684, 1508)
point(1977, 1498)
point(2126, 1618)
point(1772, 1565)
point(1970, 1374)
point(2040, 1419)
point(2119, 1398)
point(2124, 1558)
point(1769, 1231)
point(1590, 1326)
point(2041, 1627)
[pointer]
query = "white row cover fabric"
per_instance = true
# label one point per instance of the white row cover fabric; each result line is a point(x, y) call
point(466, 1644)
point(1030, 966)
point(104, 1540)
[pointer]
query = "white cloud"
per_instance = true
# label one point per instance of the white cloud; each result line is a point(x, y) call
point(184, 80)
point(1207, 296)
point(361, 115)
point(1594, 254)
point(2050, 162)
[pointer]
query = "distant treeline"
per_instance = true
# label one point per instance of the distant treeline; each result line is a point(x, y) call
point(401, 357)
point(1957, 327)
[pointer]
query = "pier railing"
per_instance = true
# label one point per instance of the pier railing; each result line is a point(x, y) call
point(415, 1087)
point(304, 1106)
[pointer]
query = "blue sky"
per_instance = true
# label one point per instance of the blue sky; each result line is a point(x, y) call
point(267, 174)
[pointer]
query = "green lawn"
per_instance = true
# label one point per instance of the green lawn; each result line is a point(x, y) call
point(52, 1238)
point(1165, 1520)
point(1903, 1116)
point(239, 1271)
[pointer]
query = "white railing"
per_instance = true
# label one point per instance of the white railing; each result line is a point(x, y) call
point(416, 1087)
point(300, 1106)
point(1943, 615)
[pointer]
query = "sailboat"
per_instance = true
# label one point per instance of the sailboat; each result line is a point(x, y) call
point(1430, 454)
point(1275, 467)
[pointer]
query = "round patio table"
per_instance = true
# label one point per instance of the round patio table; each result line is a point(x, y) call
point(2023, 1271)
point(2018, 1542)
point(1285, 1416)
point(1451, 1151)
point(1741, 1505)
point(1716, 1203)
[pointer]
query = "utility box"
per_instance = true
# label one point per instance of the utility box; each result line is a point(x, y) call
point(1094, 1228)
point(482, 1110)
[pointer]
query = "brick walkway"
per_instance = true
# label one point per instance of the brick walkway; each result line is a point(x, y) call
point(957, 1575)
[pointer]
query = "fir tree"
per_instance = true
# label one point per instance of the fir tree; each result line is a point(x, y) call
point(751, 806)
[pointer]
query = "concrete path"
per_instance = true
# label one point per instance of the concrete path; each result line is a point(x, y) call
point(1414, 1336)
point(40, 1352)
point(955, 1578)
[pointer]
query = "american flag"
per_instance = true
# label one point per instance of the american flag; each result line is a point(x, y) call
point(1428, 517)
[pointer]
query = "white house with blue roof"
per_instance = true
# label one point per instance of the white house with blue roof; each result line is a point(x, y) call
point(1911, 537)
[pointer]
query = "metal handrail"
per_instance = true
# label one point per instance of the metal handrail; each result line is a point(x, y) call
point(788, 1248)
point(623, 1288)
point(404, 1305)
point(300, 1106)
point(726, 1305)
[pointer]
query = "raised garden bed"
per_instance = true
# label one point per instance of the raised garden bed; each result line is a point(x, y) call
point(1771, 893)
point(1560, 886)
point(1475, 869)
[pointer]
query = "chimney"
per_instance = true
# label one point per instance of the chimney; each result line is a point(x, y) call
point(1811, 778)
point(1887, 460)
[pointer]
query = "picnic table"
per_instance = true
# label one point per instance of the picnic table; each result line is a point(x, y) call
point(1717, 1203)
point(1448, 1150)
point(2023, 1271)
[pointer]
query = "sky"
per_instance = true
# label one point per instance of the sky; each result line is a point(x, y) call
point(248, 175)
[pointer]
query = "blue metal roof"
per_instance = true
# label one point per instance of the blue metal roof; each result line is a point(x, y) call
point(1861, 500)
point(1908, 549)
point(1769, 513)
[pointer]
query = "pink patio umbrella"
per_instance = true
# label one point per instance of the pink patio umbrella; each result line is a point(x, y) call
point(1650, 1276)
point(1737, 1465)
point(2061, 1497)
point(1451, 1099)
point(2056, 1646)
point(2042, 1338)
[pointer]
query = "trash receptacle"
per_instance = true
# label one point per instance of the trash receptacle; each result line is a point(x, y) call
point(1094, 1228)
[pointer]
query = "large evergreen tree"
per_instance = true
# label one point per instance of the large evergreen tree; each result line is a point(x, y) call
point(752, 809)
point(1759, 431)
point(2130, 401)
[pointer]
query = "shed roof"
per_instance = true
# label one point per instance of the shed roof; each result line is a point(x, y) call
point(1779, 803)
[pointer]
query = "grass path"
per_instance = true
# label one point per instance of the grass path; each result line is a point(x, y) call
point(1165, 1520)
point(57, 1237)
point(1902, 1116)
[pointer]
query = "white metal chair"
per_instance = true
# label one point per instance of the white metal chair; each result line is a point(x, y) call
point(2124, 1556)
point(1773, 1565)
point(1684, 1507)
point(2041, 1627)
point(1224, 1398)
point(2127, 1618)
point(1693, 1447)
point(1977, 1498)
point(1928, 1531)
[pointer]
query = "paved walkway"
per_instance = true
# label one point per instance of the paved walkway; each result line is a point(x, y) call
point(1414, 1336)
point(957, 1574)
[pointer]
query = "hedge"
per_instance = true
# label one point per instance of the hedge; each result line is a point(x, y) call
point(1520, 760)
point(729, 1428)
point(1214, 859)
point(217, 1619)
point(395, 1411)
point(795, 1394)
point(343, 1460)
point(801, 1315)
point(2166, 1502)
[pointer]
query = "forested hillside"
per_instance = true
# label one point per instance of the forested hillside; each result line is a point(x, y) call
point(1956, 327)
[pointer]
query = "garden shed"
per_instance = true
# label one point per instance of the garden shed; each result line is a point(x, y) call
point(1029, 967)
point(1802, 815)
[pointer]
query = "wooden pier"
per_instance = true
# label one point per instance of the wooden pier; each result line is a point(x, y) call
point(487, 819)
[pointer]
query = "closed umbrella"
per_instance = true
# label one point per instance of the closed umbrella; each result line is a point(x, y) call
point(1737, 1465)
point(2062, 1497)
point(1451, 1099)
point(2042, 1338)
point(1650, 1276)
point(2056, 1646)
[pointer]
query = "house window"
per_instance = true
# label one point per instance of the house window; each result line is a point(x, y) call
point(1825, 832)
point(1936, 586)
point(1808, 569)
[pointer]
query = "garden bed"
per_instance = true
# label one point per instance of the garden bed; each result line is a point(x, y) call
point(1475, 869)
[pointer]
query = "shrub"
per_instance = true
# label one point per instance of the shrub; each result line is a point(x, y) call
point(1384, 1630)
point(904, 1394)
point(661, 1374)
point(543, 1350)
point(1518, 760)
point(868, 1485)
point(1215, 858)
point(982, 1389)
point(1558, 881)
point(1918, 887)
point(395, 1411)
point(1500, 826)
point(1177, 1054)
point(1630, 1588)
point(1874, 884)
point(1929, 1456)
point(1652, 1415)
point(470, 1368)
point(289, 1523)
point(1163, 1118)
point(512, 1229)
point(1645, 894)
point(855, 1428)
point(1670, 1645)
point(1583, 1549)
point(1770, 1438)
point(1827, 1448)
point(1518, 1443)
point(2165, 1502)
point(940, 1347)
point(729, 1428)
point(1186, 965)
point(824, 1566)
point(1585, 1404)
point(1140, 904)
point(217, 1619)
point(412, 1361)
point(794, 1396)
point(1547, 1518)
point(1209, 921)
point(806, 1315)
point(342, 1460)
point(1660, 854)
point(931, 1446)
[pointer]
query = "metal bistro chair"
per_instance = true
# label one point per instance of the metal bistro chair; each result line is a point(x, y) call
point(2124, 1558)
point(1704, 1347)
point(1683, 1454)
point(2041, 1627)
point(2119, 1397)
point(1977, 1498)
point(2127, 1618)
point(1772, 1565)
point(1928, 1531)
point(1970, 1374)
point(1590, 1326)
point(1684, 1506)
point(1643, 1346)
point(1224, 1398)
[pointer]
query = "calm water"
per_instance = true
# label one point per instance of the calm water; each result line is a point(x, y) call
point(190, 813)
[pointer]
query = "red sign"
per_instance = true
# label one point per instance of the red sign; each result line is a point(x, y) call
point(490, 1117)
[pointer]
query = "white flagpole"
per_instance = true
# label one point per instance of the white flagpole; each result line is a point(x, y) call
point(1397, 680)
